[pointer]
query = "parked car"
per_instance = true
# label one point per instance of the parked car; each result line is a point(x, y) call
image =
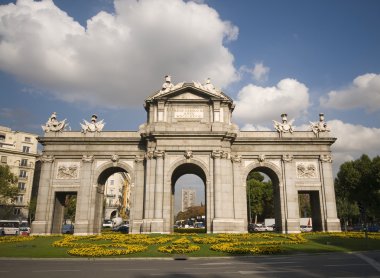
point(67, 229)
point(373, 228)
point(271, 228)
point(107, 224)
point(256, 227)
point(121, 229)
point(306, 228)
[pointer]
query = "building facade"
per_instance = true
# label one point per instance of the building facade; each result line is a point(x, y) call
point(18, 150)
point(189, 130)
point(188, 198)
point(117, 196)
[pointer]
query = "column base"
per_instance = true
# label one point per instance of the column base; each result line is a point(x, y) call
point(333, 225)
point(224, 225)
point(81, 228)
point(136, 227)
point(39, 228)
point(292, 226)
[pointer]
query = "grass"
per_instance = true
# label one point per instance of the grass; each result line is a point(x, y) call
point(41, 246)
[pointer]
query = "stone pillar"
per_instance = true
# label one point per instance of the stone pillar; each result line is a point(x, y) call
point(149, 191)
point(82, 214)
point(292, 219)
point(40, 224)
point(227, 186)
point(157, 224)
point(137, 205)
point(240, 192)
point(218, 202)
point(331, 221)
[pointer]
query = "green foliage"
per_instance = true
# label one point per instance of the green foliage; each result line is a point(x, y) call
point(191, 212)
point(358, 182)
point(260, 196)
point(8, 187)
point(70, 207)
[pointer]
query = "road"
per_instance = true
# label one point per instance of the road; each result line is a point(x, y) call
point(364, 264)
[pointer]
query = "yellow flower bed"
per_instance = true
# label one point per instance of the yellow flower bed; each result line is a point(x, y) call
point(178, 248)
point(248, 248)
point(10, 239)
point(350, 234)
point(100, 251)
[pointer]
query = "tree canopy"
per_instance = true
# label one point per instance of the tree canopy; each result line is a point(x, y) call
point(8, 187)
point(191, 212)
point(260, 197)
point(358, 184)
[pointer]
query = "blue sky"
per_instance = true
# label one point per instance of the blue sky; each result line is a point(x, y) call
point(80, 57)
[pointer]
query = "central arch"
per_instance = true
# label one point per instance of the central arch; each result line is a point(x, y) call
point(274, 174)
point(184, 167)
point(102, 174)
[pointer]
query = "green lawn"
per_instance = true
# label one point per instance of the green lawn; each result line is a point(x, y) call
point(41, 246)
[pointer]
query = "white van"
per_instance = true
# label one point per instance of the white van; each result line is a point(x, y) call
point(9, 227)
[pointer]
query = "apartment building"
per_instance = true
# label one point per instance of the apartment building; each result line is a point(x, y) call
point(18, 150)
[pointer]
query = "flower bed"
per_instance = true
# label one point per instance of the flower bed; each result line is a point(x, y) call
point(101, 251)
point(9, 239)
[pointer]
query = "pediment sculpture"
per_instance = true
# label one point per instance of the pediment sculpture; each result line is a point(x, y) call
point(169, 86)
point(320, 126)
point(93, 126)
point(208, 86)
point(285, 126)
point(54, 125)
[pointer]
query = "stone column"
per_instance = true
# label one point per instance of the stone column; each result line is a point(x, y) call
point(157, 224)
point(331, 221)
point(227, 186)
point(149, 191)
point(82, 214)
point(218, 202)
point(137, 205)
point(240, 190)
point(292, 219)
point(40, 224)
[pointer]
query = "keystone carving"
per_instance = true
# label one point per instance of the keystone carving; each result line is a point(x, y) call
point(114, 158)
point(261, 158)
point(188, 154)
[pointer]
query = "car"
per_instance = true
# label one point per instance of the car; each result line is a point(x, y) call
point(271, 228)
point(373, 228)
point(67, 229)
point(24, 231)
point(107, 224)
point(121, 229)
point(306, 228)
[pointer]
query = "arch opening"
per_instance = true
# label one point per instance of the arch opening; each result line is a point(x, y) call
point(113, 198)
point(263, 200)
point(188, 183)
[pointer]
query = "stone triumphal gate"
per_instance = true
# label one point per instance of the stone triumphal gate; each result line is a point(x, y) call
point(188, 131)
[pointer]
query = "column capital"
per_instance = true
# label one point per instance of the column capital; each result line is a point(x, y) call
point(287, 157)
point(87, 158)
point(216, 154)
point(149, 155)
point(46, 158)
point(159, 154)
point(325, 158)
point(139, 158)
point(226, 155)
point(236, 158)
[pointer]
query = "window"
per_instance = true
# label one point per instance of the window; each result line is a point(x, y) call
point(21, 186)
point(24, 162)
point(16, 211)
point(3, 159)
point(22, 174)
point(2, 137)
point(25, 149)
point(19, 199)
point(27, 139)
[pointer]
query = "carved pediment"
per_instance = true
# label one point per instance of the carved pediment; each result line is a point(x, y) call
point(187, 96)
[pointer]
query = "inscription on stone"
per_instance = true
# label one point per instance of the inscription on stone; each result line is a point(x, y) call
point(188, 113)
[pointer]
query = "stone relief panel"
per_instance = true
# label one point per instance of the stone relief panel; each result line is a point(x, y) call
point(68, 170)
point(306, 170)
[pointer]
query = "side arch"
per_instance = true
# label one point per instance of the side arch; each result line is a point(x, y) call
point(108, 168)
point(262, 166)
point(184, 161)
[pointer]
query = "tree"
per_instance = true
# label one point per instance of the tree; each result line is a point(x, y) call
point(8, 187)
point(260, 196)
point(191, 212)
point(358, 184)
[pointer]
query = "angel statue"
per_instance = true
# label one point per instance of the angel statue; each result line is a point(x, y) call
point(53, 124)
point(284, 126)
point(94, 126)
point(320, 126)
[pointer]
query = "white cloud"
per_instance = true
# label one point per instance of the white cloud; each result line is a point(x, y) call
point(364, 92)
point(251, 127)
point(118, 59)
point(260, 105)
point(259, 72)
point(353, 141)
